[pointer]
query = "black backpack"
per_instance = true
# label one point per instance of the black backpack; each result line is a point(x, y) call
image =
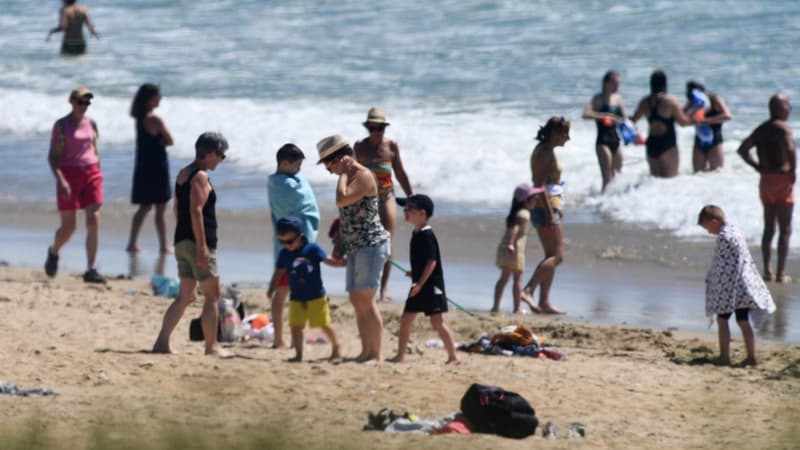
point(493, 410)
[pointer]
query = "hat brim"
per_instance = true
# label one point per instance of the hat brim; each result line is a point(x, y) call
point(367, 123)
point(328, 152)
point(401, 201)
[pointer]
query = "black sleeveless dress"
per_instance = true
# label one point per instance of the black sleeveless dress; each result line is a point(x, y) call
point(151, 183)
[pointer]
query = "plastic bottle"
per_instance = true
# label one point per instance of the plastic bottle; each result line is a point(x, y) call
point(627, 132)
point(231, 325)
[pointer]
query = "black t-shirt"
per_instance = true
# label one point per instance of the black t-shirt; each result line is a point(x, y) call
point(425, 247)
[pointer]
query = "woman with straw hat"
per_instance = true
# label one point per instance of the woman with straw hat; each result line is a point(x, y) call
point(365, 240)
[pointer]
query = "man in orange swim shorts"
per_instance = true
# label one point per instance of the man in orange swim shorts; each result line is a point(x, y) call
point(776, 163)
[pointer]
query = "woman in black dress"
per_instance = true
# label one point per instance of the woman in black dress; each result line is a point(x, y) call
point(151, 182)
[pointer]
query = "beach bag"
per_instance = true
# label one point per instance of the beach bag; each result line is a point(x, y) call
point(493, 410)
point(231, 311)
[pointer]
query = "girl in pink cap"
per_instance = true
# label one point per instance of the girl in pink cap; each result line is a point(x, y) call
point(511, 251)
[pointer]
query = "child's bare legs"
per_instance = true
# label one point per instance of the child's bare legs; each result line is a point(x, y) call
point(749, 342)
point(447, 337)
point(297, 343)
point(276, 308)
point(405, 332)
point(335, 353)
point(499, 287)
point(517, 291)
point(724, 341)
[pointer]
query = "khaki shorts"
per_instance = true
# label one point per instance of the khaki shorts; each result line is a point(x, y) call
point(315, 312)
point(186, 255)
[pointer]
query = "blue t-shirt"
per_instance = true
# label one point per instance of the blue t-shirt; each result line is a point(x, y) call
point(305, 279)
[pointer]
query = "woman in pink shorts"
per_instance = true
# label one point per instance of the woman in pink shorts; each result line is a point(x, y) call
point(79, 181)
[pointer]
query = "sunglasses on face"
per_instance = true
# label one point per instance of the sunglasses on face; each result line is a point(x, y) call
point(376, 129)
point(83, 102)
point(289, 241)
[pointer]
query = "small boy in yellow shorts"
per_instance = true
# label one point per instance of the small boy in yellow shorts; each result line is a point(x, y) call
point(308, 303)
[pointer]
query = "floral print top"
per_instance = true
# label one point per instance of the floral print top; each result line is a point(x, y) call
point(361, 225)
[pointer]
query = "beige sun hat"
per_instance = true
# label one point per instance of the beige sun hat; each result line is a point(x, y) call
point(377, 116)
point(329, 145)
point(80, 92)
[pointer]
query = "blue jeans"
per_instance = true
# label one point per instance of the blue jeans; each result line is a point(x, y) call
point(365, 267)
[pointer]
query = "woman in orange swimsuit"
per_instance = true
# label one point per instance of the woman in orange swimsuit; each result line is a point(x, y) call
point(382, 156)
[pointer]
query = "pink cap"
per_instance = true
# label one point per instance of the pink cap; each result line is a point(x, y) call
point(524, 191)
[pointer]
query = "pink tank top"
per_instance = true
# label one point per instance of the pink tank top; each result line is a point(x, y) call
point(74, 144)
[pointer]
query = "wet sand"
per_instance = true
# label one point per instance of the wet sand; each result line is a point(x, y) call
point(612, 274)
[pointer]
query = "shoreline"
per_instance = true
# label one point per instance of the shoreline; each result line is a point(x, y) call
point(612, 274)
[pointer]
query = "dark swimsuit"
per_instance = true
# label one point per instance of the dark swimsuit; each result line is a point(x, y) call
point(658, 144)
point(715, 128)
point(151, 183)
point(607, 135)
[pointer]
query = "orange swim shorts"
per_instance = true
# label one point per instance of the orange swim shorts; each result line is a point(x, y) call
point(777, 189)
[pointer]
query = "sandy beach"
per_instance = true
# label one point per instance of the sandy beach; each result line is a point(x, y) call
point(631, 387)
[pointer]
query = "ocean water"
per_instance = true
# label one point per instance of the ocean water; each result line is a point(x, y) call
point(465, 83)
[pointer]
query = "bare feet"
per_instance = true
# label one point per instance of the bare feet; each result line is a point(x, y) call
point(167, 250)
point(547, 309)
point(751, 362)
point(335, 357)
point(160, 348)
point(372, 359)
point(527, 297)
point(494, 311)
point(720, 361)
point(295, 359)
point(783, 279)
point(768, 276)
point(520, 312)
point(398, 358)
point(453, 361)
point(133, 248)
point(219, 352)
point(278, 344)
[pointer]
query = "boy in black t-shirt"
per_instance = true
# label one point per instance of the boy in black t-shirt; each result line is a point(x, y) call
point(427, 280)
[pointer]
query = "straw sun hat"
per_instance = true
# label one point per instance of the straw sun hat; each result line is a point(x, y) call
point(376, 116)
point(329, 145)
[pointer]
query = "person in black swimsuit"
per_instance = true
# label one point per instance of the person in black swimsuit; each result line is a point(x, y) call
point(607, 111)
point(662, 110)
point(707, 154)
point(151, 183)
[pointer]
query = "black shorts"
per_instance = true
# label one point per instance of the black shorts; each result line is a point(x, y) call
point(429, 304)
point(742, 314)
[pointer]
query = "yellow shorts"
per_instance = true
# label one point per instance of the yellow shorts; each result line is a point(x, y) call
point(315, 312)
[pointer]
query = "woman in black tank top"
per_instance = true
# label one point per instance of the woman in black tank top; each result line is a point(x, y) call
point(195, 242)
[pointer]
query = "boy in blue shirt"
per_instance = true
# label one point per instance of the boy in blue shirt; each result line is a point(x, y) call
point(290, 194)
point(300, 260)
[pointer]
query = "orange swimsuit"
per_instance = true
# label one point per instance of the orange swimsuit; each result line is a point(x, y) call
point(777, 189)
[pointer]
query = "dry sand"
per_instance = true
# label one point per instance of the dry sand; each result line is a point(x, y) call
point(632, 388)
